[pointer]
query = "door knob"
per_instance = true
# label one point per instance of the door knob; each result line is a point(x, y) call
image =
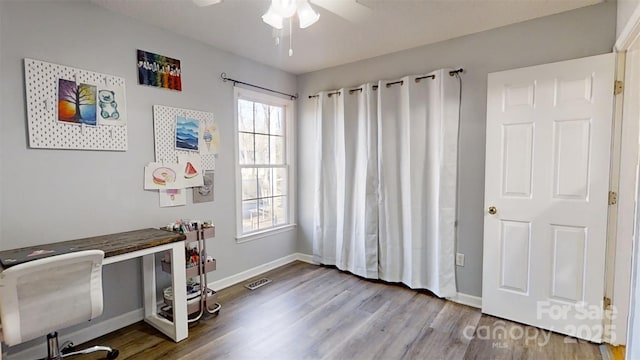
point(492, 210)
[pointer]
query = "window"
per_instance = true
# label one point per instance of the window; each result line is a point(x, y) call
point(264, 173)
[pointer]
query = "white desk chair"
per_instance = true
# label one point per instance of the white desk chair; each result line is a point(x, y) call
point(41, 296)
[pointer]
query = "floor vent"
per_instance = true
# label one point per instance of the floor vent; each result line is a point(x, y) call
point(256, 284)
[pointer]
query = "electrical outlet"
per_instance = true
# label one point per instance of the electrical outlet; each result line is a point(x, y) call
point(459, 259)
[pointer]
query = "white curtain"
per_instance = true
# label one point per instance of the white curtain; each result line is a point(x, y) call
point(415, 180)
point(346, 213)
point(417, 148)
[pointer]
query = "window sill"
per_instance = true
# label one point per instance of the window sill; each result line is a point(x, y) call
point(262, 234)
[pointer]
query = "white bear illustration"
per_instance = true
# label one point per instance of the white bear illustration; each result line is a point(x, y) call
point(108, 105)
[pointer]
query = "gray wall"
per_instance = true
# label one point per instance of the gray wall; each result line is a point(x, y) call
point(625, 10)
point(574, 34)
point(54, 195)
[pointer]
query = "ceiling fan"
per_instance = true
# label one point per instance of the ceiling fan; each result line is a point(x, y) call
point(279, 10)
point(350, 10)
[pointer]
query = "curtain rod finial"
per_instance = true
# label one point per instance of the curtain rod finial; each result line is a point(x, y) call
point(223, 76)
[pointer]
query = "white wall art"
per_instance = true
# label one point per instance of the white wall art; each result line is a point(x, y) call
point(169, 124)
point(64, 109)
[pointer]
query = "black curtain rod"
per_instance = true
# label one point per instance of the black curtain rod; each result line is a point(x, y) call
point(329, 94)
point(375, 87)
point(224, 78)
point(401, 82)
point(432, 77)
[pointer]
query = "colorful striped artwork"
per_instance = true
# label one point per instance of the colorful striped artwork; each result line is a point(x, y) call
point(160, 71)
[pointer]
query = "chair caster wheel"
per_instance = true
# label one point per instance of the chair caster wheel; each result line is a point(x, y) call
point(113, 354)
point(66, 347)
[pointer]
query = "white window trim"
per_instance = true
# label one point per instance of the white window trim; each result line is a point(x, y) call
point(289, 110)
point(265, 233)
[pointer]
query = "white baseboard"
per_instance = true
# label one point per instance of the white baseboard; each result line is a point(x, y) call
point(306, 258)
point(83, 335)
point(469, 300)
point(260, 269)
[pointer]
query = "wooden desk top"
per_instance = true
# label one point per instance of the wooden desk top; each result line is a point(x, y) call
point(112, 244)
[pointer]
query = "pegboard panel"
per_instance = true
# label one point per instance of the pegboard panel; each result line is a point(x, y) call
point(164, 125)
point(45, 131)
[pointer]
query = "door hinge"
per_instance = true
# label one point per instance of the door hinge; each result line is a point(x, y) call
point(613, 198)
point(618, 87)
point(606, 303)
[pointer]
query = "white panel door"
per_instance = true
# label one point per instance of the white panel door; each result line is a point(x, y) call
point(547, 177)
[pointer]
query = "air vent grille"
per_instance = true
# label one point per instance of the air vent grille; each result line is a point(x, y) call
point(258, 283)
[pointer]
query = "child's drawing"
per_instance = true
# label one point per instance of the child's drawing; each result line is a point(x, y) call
point(209, 138)
point(204, 193)
point(111, 106)
point(163, 176)
point(192, 169)
point(173, 197)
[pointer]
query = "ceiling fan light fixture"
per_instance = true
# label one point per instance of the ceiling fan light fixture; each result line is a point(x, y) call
point(306, 15)
point(284, 8)
point(272, 18)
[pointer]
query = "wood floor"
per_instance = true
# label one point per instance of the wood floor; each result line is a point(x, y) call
point(315, 312)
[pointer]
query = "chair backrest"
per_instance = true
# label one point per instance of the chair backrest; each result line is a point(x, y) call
point(49, 294)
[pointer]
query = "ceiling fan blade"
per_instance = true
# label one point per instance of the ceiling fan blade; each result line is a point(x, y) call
point(206, 2)
point(348, 9)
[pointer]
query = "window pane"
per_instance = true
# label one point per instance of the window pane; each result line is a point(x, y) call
point(279, 182)
point(245, 115)
point(249, 216)
point(279, 210)
point(262, 149)
point(262, 118)
point(264, 183)
point(265, 211)
point(249, 184)
point(245, 146)
point(277, 150)
point(263, 165)
point(276, 120)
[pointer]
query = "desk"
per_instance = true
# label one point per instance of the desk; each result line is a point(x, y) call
point(142, 243)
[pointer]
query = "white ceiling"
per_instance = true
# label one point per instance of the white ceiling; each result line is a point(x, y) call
point(393, 25)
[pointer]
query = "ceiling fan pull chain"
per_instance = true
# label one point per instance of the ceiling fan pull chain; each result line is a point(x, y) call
point(290, 36)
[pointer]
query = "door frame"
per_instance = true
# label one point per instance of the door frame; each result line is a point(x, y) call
point(618, 281)
point(616, 269)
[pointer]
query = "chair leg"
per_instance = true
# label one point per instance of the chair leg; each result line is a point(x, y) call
point(66, 346)
point(111, 353)
point(53, 351)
